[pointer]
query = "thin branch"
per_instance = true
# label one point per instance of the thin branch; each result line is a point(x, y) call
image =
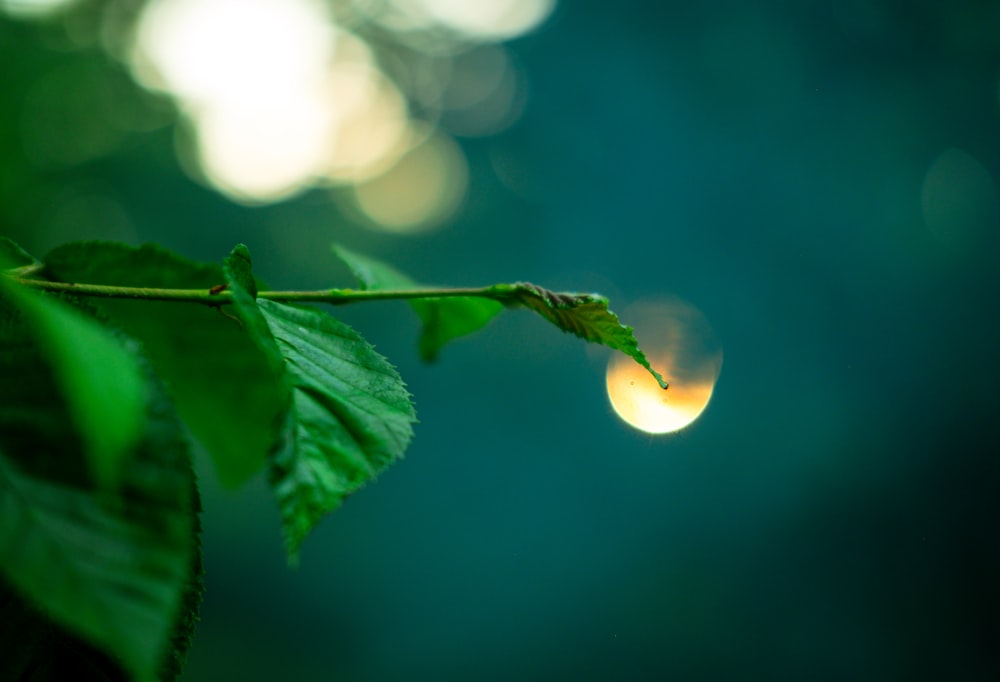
point(216, 298)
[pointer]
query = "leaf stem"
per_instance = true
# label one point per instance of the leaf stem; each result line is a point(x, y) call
point(500, 292)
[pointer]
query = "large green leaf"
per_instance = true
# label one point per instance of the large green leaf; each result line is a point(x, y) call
point(224, 389)
point(350, 416)
point(97, 376)
point(110, 568)
point(443, 319)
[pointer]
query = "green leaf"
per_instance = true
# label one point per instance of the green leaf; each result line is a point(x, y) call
point(350, 416)
point(585, 315)
point(97, 376)
point(224, 389)
point(13, 256)
point(443, 319)
point(34, 649)
point(111, 569)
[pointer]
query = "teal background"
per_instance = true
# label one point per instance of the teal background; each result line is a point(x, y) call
point(832, 514)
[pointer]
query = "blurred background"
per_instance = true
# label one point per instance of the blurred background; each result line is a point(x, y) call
point(807, 189)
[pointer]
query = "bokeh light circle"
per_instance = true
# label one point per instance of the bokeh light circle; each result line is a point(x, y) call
point(494, 20)
point(423, 189)
point(679, 343)
point(283, 95)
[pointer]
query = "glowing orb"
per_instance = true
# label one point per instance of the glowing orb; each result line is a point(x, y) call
point(680, 344)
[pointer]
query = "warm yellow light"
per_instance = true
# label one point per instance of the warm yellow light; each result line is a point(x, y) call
point(279, 97)
point(265, 153)
point(680, 344)
point(421, 191)
point(372, 128)
point(233, 51)
point(497, 19)
point(251, 77)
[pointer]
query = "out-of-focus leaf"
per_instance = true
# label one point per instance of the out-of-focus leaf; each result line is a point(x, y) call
point(13, 256)
point(222, 386)
point(444, 319)
point(350, 416)
point(34, 649)
point(109, 568)
point(98, 377)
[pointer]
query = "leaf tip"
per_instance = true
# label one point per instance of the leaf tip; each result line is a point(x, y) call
point(238, 269)
point(640, 357)
point(241, 250)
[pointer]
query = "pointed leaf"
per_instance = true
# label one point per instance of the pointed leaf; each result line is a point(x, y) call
point(350, 417)
point(444, 319)
point(585, 315)
point(223, 388)
point(97, 376)
point(109, 568)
